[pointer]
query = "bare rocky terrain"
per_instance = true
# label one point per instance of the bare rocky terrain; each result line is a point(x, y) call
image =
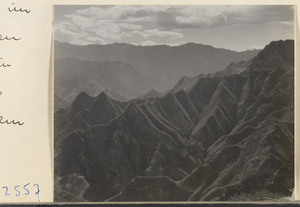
point(210, 138)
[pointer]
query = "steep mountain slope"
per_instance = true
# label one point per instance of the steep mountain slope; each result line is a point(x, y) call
point(152, 93)
point(120, 80)
point(212, 137)
point(164, 63)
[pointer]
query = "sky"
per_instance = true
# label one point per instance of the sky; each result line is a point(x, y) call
point(236, 28)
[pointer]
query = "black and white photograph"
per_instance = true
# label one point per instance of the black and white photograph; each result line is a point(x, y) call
point(173, 103)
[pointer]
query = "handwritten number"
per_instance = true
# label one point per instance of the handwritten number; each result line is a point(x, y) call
point(18, 10)
point(38, 191)
point(6, 191)
point(18, 194)
point(24, 187)
point(18, 190)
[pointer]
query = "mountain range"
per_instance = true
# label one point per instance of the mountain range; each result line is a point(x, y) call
point(223, 136)
point(127, 71)
point(119, 80)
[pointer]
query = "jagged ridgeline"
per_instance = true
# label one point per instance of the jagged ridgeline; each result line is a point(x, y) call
point(125, 72)
point(217, 137)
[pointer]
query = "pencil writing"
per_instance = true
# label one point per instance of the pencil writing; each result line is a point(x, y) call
point(18, 10)
point(10, 121)
point(4, 65)
point(8, 38)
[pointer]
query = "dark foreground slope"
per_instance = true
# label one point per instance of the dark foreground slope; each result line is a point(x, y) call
point(213, 138)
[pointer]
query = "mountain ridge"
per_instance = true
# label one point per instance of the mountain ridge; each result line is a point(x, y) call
point(166, 64)
point(120, 80)
point(225, 134)
point(166, 45)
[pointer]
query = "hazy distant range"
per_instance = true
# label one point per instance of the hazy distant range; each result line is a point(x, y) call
point(126, 72)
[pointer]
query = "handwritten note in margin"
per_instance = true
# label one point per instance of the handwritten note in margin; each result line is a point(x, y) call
point(25, 147)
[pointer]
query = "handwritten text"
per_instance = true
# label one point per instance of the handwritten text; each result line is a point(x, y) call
point(18, 10)
point(4, 65)
point(10, 122)
point(9, 38)
point(22, 190)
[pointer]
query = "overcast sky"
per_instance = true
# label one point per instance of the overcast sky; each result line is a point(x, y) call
point(232, 27)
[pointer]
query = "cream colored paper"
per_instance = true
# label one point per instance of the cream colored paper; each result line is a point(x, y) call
point(26, 94)
point(25, 152)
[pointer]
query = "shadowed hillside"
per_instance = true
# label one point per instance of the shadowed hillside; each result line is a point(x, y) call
point(213, 137)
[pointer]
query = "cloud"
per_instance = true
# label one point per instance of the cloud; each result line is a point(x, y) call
point(122, 13)
point(112, 24)
point(289, 23)
point(212, 21)
point(77, 28)
point(140, 19)
point(201, 16)
point(212, 16)
point(177, 43)
point(75, 33)
point(76, 38)
point(255, 47)
point(149, 43)
point(245, 15)
point(158, 33)
point(106, 24)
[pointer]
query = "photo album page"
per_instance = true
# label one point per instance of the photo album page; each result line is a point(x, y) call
point(155, 101)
